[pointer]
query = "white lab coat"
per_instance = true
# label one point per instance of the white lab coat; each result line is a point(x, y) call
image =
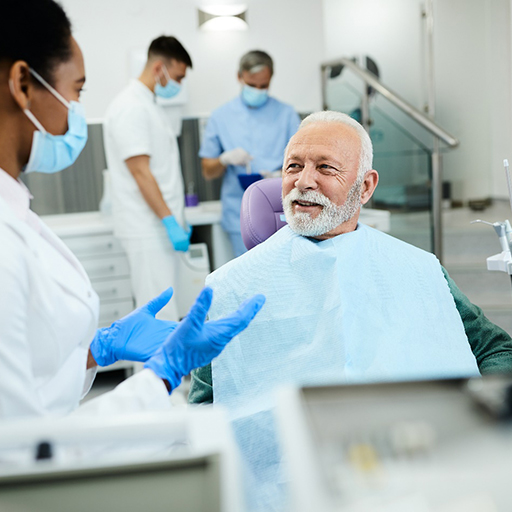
point(135, 125)
point(48, 317)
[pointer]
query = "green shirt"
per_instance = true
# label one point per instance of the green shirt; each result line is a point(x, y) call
point(491, 346)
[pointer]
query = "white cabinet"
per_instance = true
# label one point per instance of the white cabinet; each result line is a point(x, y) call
point(90, 237)
point(107, 266)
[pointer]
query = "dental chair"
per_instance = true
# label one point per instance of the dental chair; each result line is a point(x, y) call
point(261, 214)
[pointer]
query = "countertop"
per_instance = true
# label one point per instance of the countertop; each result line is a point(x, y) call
point(209, 212)
point(96, 223)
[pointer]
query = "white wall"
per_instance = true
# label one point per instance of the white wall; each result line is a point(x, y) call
point(500, 85)
point(473, 92)
point(387, 31)
point(290, 30)
point(472, 56)
point(472, 59)
point(462, 100)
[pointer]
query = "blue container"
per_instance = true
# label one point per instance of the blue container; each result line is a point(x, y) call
point(248, 179)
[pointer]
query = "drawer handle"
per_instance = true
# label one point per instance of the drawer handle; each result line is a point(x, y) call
point(100, 248)
point(110, 268)
point(108, 293)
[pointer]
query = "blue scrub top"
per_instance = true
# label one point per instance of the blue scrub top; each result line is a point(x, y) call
point(263, 132)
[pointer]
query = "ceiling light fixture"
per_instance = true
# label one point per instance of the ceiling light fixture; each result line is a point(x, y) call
point(222, 17)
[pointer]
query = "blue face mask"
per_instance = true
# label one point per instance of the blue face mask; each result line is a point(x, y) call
point(253, 97)
point(52, 153)
point(170, 89)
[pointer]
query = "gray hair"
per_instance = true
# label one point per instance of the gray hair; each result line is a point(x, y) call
point(254, 61)
point(329, 116)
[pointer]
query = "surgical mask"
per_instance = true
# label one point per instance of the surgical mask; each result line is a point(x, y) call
point(170, 89)
point(52, 153)
point(254, 97)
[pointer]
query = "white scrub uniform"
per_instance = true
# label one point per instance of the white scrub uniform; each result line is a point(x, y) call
point(135, 125)
point(48, 318)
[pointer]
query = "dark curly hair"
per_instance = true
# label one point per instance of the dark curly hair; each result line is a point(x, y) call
point(36, 31)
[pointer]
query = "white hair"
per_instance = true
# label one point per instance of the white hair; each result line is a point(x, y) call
point(329, 116)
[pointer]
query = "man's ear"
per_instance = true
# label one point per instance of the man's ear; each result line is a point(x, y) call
point(157, 66)
point(371, 179)
point(20, 84)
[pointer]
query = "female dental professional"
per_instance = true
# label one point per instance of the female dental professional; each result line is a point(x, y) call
point(49, 344)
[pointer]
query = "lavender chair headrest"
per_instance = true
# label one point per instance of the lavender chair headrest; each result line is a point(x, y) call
point(261, 214)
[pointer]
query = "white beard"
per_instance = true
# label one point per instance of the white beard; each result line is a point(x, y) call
point(331, 215)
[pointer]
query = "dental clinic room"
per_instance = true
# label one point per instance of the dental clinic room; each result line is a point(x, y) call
point(255, 255)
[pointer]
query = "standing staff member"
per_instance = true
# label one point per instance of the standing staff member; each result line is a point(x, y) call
point(253, 129)
point(49, 346)
point(147, 184)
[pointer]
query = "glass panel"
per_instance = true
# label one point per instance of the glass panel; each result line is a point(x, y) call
point(401, 156)
point(344, 93)
point(403, 163)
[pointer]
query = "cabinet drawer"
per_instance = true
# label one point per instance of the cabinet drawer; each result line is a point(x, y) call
point(113, 289)
point(106, 267)
point(111, 312)
point(91, 245)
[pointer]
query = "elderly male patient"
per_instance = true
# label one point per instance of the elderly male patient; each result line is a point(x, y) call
point(345, 303)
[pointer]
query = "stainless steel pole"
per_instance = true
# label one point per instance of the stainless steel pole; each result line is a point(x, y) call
point(365, 109)
point(437, 206)
point(437, 174)
point(325, 105)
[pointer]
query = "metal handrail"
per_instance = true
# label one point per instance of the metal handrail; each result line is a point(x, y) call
point(426, 122)
point(423, 120)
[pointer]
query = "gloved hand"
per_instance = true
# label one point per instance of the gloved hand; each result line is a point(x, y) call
point(195, 343)
point(136, 337)
point(179, 238)
point(237, 156)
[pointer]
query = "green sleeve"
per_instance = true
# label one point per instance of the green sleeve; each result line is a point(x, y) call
point(201, 388)
point(491, 345)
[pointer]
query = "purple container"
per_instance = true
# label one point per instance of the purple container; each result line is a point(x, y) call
point(191, 200)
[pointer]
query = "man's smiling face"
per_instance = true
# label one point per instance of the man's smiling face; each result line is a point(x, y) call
point(321, 189)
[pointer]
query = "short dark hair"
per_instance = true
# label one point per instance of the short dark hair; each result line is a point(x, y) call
point(170, 48)
point(36, 31)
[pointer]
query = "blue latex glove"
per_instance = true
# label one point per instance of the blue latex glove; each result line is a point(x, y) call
point(195, 343)
point(179, 238)
point(136, 337)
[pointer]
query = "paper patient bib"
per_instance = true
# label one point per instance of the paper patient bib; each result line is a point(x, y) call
point(360, 307)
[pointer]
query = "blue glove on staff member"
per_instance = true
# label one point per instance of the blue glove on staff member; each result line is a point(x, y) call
point(179, 238)
point(196, 342)
point(136, 337)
